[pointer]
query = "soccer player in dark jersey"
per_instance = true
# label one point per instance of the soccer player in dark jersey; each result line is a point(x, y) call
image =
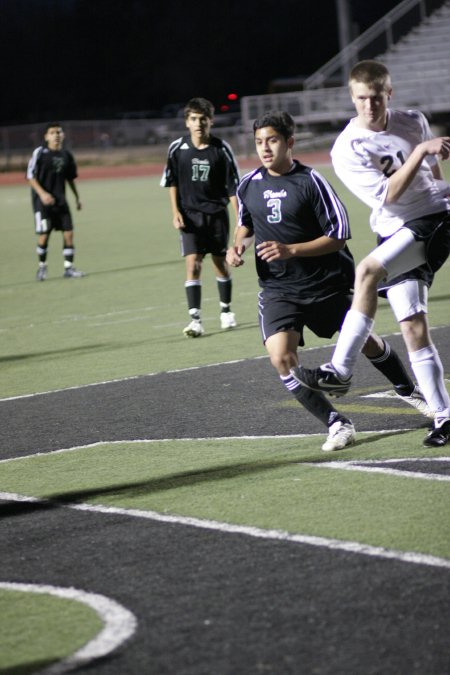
point(202, 176)
point(305, 268)
point(49, 168)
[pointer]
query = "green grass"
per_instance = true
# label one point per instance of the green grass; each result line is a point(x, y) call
point(38, 630)
point(230, 480)
point(126, 318)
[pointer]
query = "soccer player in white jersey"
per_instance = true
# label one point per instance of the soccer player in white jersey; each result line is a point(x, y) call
point(390, 160)
point(304, 267)
point(202, 177)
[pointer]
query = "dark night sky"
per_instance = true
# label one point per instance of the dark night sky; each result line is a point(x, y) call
point(72, 59)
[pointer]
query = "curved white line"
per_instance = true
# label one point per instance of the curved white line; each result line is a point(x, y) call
point(120, 624)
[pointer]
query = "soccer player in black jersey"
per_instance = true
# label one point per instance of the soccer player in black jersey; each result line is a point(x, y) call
point(49, 168)
point(202, 176)
point(305, 268)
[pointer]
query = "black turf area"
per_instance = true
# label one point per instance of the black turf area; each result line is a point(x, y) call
point(209, 603)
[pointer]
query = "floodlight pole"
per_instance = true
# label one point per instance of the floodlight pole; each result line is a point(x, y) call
point(344, 28)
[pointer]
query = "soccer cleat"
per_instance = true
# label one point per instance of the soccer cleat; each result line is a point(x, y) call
point(73, 273)
point(324, 378)
point(341, 434)
point(438, 436)
point(227, 320)
point(195, 329)
point(417, 400)
point(42, 273)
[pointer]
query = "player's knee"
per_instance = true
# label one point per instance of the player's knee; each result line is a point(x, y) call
point(369, 272)
point(283, 362)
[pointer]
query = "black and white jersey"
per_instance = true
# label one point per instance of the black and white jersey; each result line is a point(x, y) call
point(364, 160)
point(297, 207)
point(205, 178)
point(51, 168)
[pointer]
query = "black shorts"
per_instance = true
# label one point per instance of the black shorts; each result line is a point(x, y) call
point(434, 231)
point(53, 218)
point(278, 314)
point(205, 233)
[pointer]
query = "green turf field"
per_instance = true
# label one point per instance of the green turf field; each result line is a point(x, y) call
point(125, 318)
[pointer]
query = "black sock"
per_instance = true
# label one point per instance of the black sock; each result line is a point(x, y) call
point(194, 297)
point(314, 401)
point(225, 288)
point(391, 366)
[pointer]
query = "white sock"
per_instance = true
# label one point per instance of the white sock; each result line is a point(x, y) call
point(427, 367)
point(354, 333)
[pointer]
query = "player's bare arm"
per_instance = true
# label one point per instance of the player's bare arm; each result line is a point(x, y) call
point(242, 235)
point(177, 219)
point(275, 250)
point(74, 189)
point(235, 207)
point(402, 178)
point(46, 197)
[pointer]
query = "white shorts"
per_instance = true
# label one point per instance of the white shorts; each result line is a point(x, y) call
point(400, 253)
point(408, 298)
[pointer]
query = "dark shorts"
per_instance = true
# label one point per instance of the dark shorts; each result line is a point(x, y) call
point(280, 314)
point(434, 231)
point(205, 233)
point(58, 218)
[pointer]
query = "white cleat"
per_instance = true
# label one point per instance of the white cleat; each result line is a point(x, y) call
point(227, 320)
point(341, 434)
point(417, 400)
point(194, 329)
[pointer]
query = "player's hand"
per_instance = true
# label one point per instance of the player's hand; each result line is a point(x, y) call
point(439, 146)
point(234, 256)
point(79, 205)
point(47, 199)
point(178, 221)
point(273, 250)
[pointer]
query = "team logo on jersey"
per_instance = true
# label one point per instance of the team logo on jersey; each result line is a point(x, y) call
point(271, 194)
point(58, 164)
point(200, 169)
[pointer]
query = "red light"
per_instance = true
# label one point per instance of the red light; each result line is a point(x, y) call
point(232, 97)
point(224, 107)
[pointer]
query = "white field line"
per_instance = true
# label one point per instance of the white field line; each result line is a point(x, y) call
point(119, 624)
point(127, 379)
point(368, 467)
point(179, 370)
point(183, 440)
point(228, 528)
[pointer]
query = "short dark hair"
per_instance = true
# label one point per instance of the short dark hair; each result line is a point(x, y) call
point(199, 105)
point(370, 72)
point(50, 125)
point(279, 120)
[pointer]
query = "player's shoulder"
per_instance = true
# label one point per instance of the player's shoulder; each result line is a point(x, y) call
point(251, 176)
point(181, 143)
point(407, 119)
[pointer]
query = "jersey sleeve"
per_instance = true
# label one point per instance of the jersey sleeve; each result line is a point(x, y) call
point(33, 164)
point(232, 173)
point(71, 167)
point(330, 211)
point(245, 218)
point(170, 173)
point(355, 168)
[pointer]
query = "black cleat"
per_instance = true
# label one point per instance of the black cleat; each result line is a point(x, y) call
point(324, 379)
point(438, 436)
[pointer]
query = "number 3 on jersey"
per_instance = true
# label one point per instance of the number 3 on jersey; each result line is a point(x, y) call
point(275, 214)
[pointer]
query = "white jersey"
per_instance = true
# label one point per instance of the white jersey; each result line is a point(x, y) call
point(364, 160)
